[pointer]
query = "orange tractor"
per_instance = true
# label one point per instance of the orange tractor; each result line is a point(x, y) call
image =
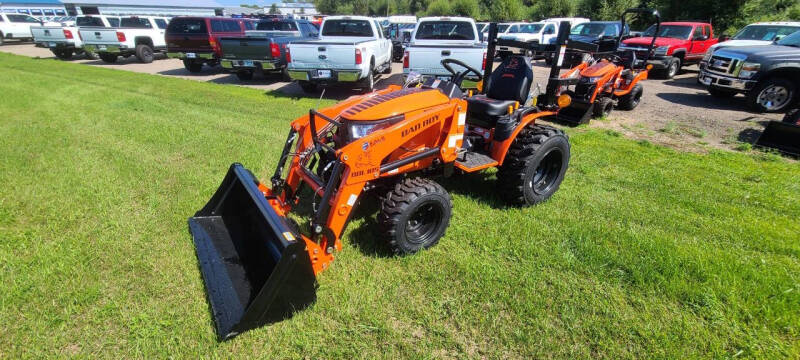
point(608, 80)
point(260, 264)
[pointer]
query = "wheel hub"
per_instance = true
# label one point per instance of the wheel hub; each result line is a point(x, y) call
point(547, 172)
point(423, 223)
point(773, 97)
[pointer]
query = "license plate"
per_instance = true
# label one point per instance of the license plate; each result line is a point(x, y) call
point(323, 73)
point(52, 44)
point(706, 80)
point(102, 47)
point(191, 55)
point(248, 63)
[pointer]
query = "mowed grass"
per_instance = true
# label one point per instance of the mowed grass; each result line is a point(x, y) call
point(645, 252)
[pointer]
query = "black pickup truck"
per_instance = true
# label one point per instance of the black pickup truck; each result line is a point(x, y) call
point(264, 49)
point(604, 34)
point(767, 75)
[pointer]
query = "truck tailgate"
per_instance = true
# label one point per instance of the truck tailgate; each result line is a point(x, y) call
point(99, 36)
point(427, 60)
point(246, 48)
point(48, 34)
point(188, 43)
point(324, 55)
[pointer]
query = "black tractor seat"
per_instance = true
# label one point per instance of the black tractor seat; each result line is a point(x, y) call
point(509, 84)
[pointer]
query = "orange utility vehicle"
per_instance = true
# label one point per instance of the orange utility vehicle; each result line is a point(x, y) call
point(608, 80)
point(260, 264)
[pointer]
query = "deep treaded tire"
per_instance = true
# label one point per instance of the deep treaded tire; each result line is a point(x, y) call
point(144, 53)
point(415, 215)
point(602, 107)
point(534, 166)
point(632, 99)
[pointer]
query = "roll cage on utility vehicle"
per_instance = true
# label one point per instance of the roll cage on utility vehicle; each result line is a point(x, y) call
point(261, 246)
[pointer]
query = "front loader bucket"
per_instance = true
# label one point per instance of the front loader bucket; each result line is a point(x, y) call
point(782, 136)
point(579, 112)
point(254, 270)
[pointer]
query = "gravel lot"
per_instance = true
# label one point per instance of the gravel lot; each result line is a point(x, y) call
point(678, 113)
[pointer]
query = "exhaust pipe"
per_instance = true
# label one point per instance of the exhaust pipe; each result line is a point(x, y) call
point(254, 265)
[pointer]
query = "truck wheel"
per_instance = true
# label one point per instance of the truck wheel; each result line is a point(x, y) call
point(632, 99)
point(244, 75)
point(108, 58)
point(192, 66)
point(602, 107)
point(63, 54)
point(673, 68)
point(368, 84)
point(721, 93)
point(771, 95)
point(2, 39)
point(534, 165)
point(308, 87)
point(415, 215)
point(144, 53)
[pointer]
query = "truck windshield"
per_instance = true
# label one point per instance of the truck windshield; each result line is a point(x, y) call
point(187, 26)
point(135, 22)
point(670, 31)
point(595, 29)
point(22, 19)
point(276, 26)
point(791, 40)
point(344, 27)
point(531, 28)
point(445, 30)
point(765, 32)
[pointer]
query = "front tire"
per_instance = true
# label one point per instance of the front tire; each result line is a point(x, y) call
point(415, 215)
point(673, 68)
point(602, 107)
point(534, 166)
point(772, 95)
point(632, 99)
point(193, 66)
point(144, 53)
point(108, 58)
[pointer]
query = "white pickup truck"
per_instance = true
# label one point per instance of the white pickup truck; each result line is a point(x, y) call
point(137, 35)
point(16, 26)
point(438, 38)
point(350, 49)
point(760, 33)
point(64, 41)
point(543, 32)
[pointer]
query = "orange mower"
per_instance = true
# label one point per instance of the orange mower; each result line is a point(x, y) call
point(260, 246)
point(608, 80)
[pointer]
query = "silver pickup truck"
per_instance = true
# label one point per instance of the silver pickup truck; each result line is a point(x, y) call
point(439, 38)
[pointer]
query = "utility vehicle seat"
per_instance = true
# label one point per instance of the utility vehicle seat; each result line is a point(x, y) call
point(508, 84)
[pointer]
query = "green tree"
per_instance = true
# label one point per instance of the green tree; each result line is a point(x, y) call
point(273, 9)
point(439, 8)
point(469, 8)
point(502, 10)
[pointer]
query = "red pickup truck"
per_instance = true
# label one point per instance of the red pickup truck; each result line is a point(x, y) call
point(195, 40)
point(678, 44)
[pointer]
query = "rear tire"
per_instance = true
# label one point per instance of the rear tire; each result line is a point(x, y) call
point(63, 54)
point(108, 58)
point(720, 93)
point(144, 53)
point(632, 99)
point(602, 107)
point(368, 84)
point(192, 66)
point(244, 75)
point(307, 86)
point(2, 39)
point(415, 215)
point(534, 165)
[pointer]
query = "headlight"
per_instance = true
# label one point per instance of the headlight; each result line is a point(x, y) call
point(749, 69)
point(662, 50)
point(359, 129)
point(590, 79)
point(707, 56)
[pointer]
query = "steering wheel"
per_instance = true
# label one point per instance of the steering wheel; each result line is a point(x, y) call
point(458, 77)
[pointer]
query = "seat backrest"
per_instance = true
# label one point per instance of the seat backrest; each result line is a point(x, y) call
point(511, 80)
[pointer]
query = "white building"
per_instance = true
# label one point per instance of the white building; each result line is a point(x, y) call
point(34, 7)
point(144, 7)
point(295, 8)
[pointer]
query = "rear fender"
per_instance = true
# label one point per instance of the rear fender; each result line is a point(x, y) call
point(500, 148)
point(642, 75)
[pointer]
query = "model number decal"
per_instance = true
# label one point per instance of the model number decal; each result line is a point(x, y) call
point(416, 127)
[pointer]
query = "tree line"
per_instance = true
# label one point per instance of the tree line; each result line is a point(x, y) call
point(726, 15)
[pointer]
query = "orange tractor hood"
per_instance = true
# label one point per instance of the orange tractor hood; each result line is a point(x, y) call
point(382, 106)
point(598, 69)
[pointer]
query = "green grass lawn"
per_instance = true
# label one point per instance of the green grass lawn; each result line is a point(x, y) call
point(644, 252)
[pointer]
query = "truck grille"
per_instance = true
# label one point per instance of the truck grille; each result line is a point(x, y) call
point(723, 64)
